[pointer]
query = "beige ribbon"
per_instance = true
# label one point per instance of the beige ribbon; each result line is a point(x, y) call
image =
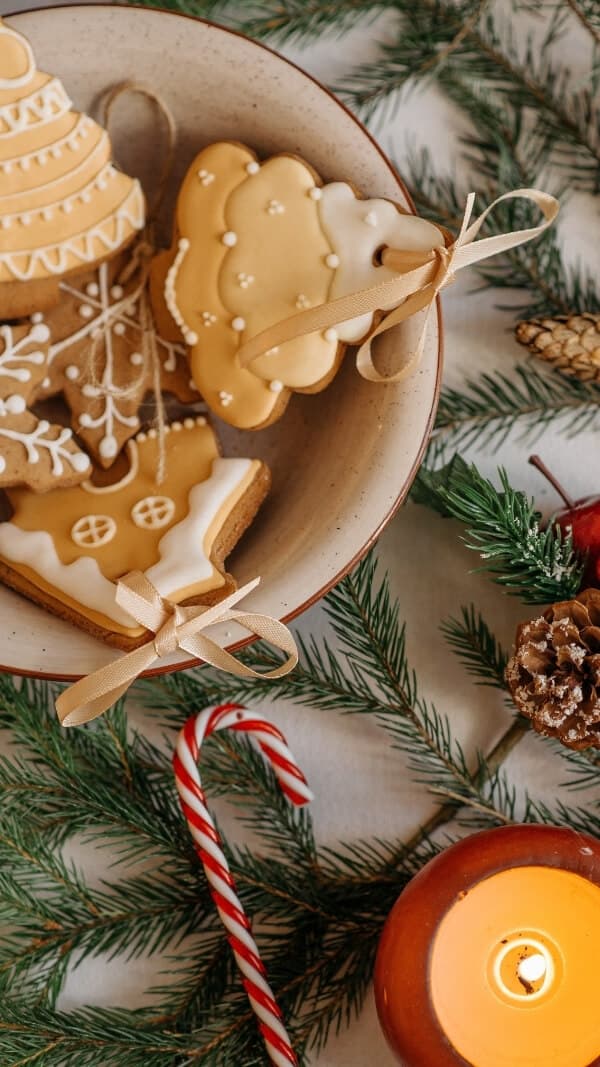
point(421, 276)
point(174, 627)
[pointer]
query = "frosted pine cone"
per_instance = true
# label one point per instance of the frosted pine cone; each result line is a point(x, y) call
point(571, 343)
point(554, 675)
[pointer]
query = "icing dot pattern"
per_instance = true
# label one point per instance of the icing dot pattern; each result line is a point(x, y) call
point(104, 409)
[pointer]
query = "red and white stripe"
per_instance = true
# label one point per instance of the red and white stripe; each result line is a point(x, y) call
point(193, 802)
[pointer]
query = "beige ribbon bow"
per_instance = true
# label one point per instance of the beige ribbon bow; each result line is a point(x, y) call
point(421, 276)
point(174, 627)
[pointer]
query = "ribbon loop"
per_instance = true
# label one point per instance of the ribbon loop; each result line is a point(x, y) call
point(419, 279)
point(173, 627)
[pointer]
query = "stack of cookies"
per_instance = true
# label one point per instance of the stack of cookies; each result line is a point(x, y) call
point(85, 503)
point(86, 318)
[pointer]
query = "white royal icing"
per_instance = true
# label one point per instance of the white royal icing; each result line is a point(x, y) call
point(12, 405)
point(171, 292)
point(110, 233)
point(35, 549)
point(105, 320)
point(25, 78)
point(354, 244)
point(153, 512)
point(13, 351)
point(41, 156)
point(134, 466)
point(97, 149)
point(183, 558)
point(41, 107)
point(36, 442)
point(93, 531)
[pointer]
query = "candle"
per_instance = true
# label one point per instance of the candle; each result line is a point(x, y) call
point(491, 956)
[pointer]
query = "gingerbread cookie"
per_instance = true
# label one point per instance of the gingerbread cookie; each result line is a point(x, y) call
point(254, 244)
point(63, 205)
point(67, 550)
point(32, 451)
point(100, 359)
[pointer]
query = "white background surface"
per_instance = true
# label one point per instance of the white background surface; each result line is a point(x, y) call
point(362, 787)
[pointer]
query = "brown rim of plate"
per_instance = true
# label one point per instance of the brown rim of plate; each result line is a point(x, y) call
point(187, 664)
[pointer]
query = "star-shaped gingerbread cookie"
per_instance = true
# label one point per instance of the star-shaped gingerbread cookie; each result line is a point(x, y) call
point(33, 452)
point(105, 356)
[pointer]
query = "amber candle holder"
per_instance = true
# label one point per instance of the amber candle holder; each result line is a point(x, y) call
point(491, 956)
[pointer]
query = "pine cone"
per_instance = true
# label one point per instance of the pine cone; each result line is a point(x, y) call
point(554, 675)
point(571, 343)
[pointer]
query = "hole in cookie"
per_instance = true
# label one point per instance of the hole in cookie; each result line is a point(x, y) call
point(378, 256)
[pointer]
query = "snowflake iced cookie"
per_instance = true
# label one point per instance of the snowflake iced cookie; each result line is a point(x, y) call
point(254, 243)
point(100, 360)
point(32, 451)
point(63, 205)
point(68, 549)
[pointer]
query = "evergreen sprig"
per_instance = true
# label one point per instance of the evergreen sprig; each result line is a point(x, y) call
point(477, 648)
point(439, 39)
point(503, 526)
point(318, 911)
point(485, 410)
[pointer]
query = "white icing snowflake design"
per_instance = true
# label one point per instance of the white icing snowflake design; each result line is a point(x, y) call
point(13, 352)
point(18, 361)
point(37, 441)
point(106, 312)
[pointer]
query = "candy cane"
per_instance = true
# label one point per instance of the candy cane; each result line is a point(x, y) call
point(222, 886)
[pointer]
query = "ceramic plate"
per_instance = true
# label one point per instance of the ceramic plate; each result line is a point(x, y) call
point(342, 461)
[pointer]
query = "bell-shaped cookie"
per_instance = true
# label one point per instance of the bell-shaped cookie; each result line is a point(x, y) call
point(64, 207)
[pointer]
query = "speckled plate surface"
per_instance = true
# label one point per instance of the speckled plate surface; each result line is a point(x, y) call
point(342, 461)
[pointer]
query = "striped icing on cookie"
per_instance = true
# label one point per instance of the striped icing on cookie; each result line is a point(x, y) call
point(63, 204)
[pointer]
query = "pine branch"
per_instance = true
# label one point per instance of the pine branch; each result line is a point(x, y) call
point(471, 639)
point(487, 409)
point(503, 527)
point(201, 8)
point(305, 20)
point(588, 14)
point(504, 154)
point(366, 673)
point(486, 55)
point(318, 912)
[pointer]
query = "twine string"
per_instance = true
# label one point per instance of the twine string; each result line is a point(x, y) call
point(139, 260)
